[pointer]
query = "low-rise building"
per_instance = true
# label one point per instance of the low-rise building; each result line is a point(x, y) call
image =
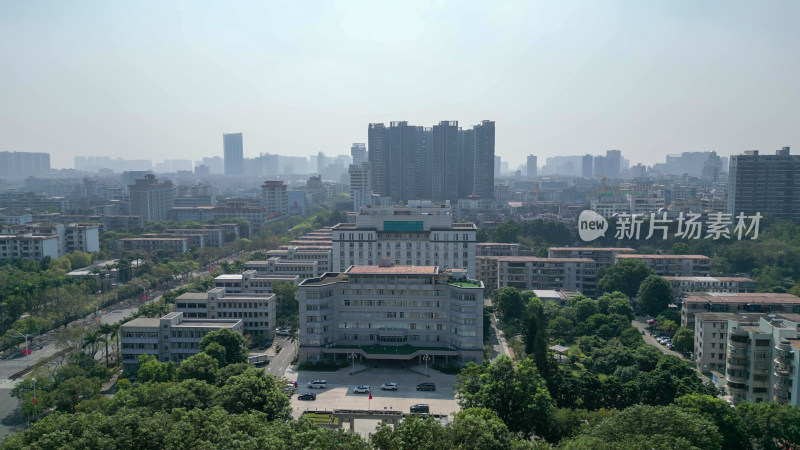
point(306, 253)
point(170, 338)
point(674, 265)
point(767, 303)
point(682, 286)
point(250, 282)
point(256, 311)
point(604, 256)
point(151, 244)
point(559, 296)
point(402, 313)
point(496, 249)
point(528, 273)
point(275, 266)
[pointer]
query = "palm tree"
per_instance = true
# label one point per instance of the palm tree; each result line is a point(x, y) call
point(116, 327)
point(91, 340)
point(106, 329)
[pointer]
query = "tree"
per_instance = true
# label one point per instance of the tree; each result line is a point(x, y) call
point(233, 344)
point(69, 393)
point(679, 248)
point(509, 302)
point(516, 392)
point(91, 340)
point(584, 309)
point(535, 335)
point(287, 307)
point(722, 415)
point(413, 432)
point(200, 367)
point(254, 391)
point(655, 294)
point(106, 330)
point(150, 370)
point(641, 427)
point(625, 276)
point(561, 326)
point(505, 232)
point(683, 340)
point(770, 426)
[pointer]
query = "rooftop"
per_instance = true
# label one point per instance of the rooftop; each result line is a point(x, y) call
point(725, 316)
point(229, 277)
point(193, 296)
point(594, 249)
point(663, 256)
point(405, 270)
point(709, 279)
point(538, 259)
point(142, 322)
point(740, 297)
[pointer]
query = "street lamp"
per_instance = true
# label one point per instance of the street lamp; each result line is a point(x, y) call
point(353, 357)
point(27, 347)
point(425, 358)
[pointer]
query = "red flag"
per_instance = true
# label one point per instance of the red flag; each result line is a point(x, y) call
point(370, 395)
point(34, 401)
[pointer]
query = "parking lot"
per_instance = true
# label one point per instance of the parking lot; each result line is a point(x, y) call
point(339, 392)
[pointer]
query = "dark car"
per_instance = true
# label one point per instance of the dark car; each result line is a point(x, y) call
point(307, 396)
point(420, 409)
point(426, 387)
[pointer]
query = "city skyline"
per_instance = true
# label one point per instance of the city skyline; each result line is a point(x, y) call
point(162, 78)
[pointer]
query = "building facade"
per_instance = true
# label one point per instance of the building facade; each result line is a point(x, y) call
point(255, 310)
point(274, 197)
point(233, 147)
point(392, 312)
point(150, 199)
point(769, 184)
point(604, 256)
point(423, 235)
point(674, 265)
point(170, 338)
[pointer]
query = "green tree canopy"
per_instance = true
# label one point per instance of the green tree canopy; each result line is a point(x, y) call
point(516, 392)
point(233, 344)
point(655, 293)
point(625, 276)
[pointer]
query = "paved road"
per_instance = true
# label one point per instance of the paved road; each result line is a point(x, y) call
point(280, 363)
point(497, 340)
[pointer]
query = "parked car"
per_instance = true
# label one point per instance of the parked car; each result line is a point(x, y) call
point(318, 384)
point(426, 387)
point(307, 396)
point(420, 409)
point(389, 387)
point(361, 389)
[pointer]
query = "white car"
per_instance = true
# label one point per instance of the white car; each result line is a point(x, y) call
point(389, 387)
point(361, 389)
point(318, 384)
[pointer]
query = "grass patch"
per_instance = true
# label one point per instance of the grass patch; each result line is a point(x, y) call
point(465, 284)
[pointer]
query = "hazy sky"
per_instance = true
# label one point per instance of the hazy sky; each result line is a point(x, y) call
point(161, 79)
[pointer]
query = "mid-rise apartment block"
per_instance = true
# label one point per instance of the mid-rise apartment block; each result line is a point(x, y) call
point(766, 303)
point(150, 199)
point(170, 338)
point(674, 265)
point(418, 235)
point(28, 246)
point(150, 244)
point(528, 273)
point(766, 184)
point(274, 197)
point(256, 311)
point(603, 256)
point(385, 312)
point(751, 372)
